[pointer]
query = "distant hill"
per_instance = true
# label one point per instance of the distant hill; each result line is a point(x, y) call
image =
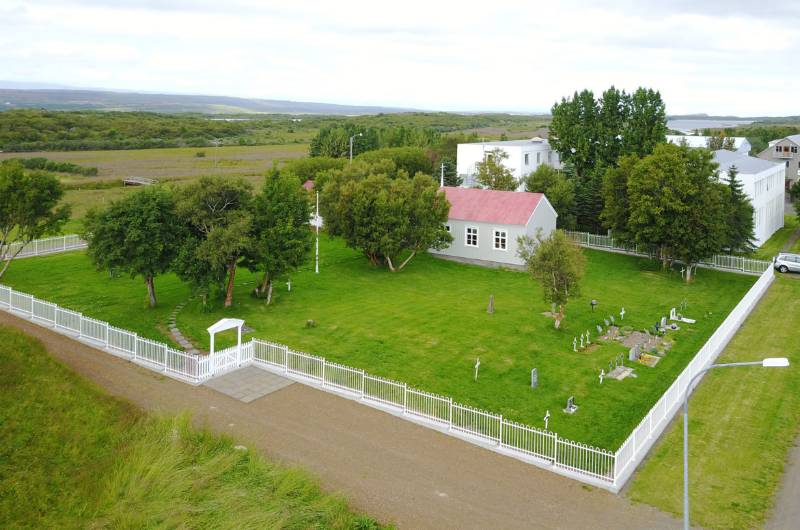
point(73, 99)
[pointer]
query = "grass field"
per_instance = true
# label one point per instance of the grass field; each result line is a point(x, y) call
point(742, 423)
point(428, 324)
point(776, 243)
point(73, 457)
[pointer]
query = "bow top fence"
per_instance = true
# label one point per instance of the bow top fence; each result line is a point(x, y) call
point(40, 247)
point(718, 261)
point(600, 467)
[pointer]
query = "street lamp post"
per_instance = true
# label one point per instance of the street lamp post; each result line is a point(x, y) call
point(771, 362)
point(351, 145)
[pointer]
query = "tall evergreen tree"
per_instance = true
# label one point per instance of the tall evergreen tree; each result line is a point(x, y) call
point(739, 210)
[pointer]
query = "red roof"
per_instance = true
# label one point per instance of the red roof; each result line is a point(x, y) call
point(490, 206)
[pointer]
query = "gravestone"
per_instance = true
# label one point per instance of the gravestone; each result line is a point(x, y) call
point(575, 344)
point(490, 309)
point(587, 337)
point(581, 340)
point(634, 353)
point(599, 329)
point(611, 317)
point(673, 315)
point(606, 322)
point(622, 314)
point(663, 323)
point(571, 406)
point(534, 378)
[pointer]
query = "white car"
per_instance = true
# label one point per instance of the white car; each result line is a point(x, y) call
point(785, 262)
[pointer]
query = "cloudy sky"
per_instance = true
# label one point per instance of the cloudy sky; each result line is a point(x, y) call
point(719, 57)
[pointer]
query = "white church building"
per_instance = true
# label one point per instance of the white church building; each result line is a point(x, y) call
point(524, 156)
point(763, 182)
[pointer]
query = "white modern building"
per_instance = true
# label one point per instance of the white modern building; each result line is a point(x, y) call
point(485, 224)
point(524, 156)
point(740, 143)
point(763, 183)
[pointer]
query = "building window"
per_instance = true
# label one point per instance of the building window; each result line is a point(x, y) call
point(500, 238)
point(527, 159)
point(538, 158)
point(472, 236)
point(794, 149)
point(778, 149)
point(447, 227)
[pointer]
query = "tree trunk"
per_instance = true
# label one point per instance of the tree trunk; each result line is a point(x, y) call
point(414, 253)
point(151, 289)
point(391, 265)
point(229, 289)
point(664, 259)
point(558, 317)
point(689, 273)
point(269, 293)
point(265, 281)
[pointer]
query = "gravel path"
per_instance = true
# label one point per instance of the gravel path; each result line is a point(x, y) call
point(392, 469)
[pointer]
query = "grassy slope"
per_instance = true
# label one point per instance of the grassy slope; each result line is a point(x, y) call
point(427, 324)
point(775, 244)
point(73, 457)
point(742, 422)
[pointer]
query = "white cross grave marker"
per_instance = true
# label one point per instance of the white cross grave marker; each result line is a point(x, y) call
point(602, 375)
point(622, 314)
point(477, 365)
point(546, 419)
point(574, 344)
point(587, 337)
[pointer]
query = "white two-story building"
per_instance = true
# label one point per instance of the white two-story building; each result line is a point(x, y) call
point(763, 182)
point(524, 156)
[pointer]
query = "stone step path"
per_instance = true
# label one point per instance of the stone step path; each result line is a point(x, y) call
point(176, 333)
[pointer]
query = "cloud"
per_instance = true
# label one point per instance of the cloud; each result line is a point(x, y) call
point(725, 58)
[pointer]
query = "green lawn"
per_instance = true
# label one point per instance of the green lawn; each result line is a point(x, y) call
point(775, 244)
point(71, 456)
point(742, 423)
point(427, 325)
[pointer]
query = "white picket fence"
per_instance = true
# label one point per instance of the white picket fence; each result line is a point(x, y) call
point(718, 261)
point(40, 247)
point(547, 449)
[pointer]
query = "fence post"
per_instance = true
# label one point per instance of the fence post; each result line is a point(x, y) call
point(450, 416)
point(500, 436)
point(286, 359)
point(324, 364)
point(555, 448)
point(362, 384)
point(405, 397)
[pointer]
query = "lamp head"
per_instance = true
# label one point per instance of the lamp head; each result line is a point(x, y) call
point(775, 362)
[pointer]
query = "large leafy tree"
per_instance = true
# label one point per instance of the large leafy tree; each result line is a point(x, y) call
point(217, 215)
point(491, 173)
point(646, 123)
point(281, 238)
point(740, 227)
point(410, 159)
point(591, 134)
point(29, 209)
point(389, 220)
point(616, 207)
point(139, 235)
point(559, 191)
point(675, 203)
point(558, 264)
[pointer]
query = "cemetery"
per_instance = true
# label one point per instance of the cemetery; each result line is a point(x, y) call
point(477, 335)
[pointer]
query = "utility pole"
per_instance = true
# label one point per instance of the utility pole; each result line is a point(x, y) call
point(351, 145)
point(441, 178)
point(316, 222)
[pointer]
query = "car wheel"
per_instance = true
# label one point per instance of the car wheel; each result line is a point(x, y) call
point(783, 269)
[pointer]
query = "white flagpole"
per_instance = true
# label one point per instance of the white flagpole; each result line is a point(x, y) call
point(441, 178)
point(316, 222)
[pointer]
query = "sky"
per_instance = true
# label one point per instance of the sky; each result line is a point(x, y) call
point(717, 57)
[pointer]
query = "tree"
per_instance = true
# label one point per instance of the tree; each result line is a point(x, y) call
point(451, 177)
point(389, 220)
point(675, 205)
point(139, 235)
point(740, 227)
point(217, 215)
point(559, 191)
point(29, 209)
point(410, 159)
point(558, 264)
point(721, 141)
point(574, 131)
point(491, 173)
point(646, 126)
point(616, 207)
point(281, 238)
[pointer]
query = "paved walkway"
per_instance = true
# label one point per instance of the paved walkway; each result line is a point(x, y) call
point(248, 384)
point(394, 470)
point(786, 513)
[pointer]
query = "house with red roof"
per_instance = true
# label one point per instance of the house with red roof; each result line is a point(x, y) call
point(485, 224)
